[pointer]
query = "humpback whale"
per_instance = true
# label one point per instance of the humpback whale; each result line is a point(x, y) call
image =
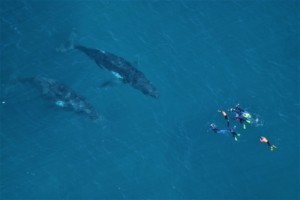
point(62, 96)
point(120, 68)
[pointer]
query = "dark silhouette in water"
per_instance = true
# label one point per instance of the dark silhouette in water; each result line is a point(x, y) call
point(62, 96)
point(121, 68)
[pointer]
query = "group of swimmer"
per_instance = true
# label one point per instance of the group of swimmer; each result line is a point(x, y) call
point(242, 117)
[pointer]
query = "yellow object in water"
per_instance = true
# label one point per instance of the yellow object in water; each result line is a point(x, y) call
point(273, 147)
point(246, 115)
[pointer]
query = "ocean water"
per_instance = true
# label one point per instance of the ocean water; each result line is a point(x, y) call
point(201, 55)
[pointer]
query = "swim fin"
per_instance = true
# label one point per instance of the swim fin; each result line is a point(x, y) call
point(273, 147)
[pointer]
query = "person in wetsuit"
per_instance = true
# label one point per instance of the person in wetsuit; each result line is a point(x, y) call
point(265, 140)
point(235, 135)
point(225, 116)
point(237, 109)
point(241, 115)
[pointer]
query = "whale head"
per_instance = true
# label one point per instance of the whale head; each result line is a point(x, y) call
point(152, 93)
point(149, 90)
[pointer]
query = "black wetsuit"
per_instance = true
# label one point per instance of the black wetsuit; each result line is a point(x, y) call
point(227, 120)
point(234, 134)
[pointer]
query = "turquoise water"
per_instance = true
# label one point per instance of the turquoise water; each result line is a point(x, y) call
point(201, 55)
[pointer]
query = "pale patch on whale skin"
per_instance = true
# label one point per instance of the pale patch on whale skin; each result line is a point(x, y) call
point(117, 75)
point(60, 103)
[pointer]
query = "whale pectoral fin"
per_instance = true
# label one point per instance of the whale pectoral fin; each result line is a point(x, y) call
point(110, 83)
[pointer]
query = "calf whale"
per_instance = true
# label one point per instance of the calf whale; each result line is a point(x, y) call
point(121, 68)
point(62, 96)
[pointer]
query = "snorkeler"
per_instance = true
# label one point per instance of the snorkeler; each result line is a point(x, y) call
point(214, 128)
point(234, 134)
point(225, 116)
point(265, 140)
point(241, 120)
point(237, 109)
point(241, 115)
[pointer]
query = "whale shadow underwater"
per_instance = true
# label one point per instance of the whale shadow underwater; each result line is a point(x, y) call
point(62, 96)
point(122, 69)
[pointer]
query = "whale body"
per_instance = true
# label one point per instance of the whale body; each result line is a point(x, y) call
point(120, 68)
point(62, 96)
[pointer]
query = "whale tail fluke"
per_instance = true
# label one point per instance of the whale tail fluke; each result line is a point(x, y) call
point(69, 44)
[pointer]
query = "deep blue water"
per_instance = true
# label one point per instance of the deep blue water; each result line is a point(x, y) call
point(201, 55)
